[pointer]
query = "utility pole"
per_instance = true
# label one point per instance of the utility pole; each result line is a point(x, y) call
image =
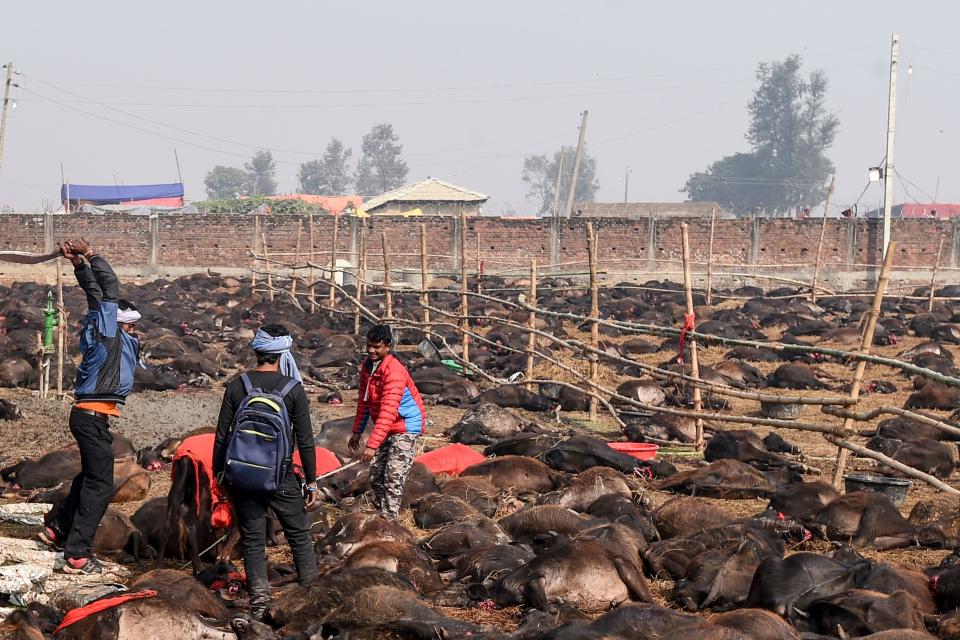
point(556, 189)
point(891, 121)
point(6, 103)
point(626, 185)
point(576, 165)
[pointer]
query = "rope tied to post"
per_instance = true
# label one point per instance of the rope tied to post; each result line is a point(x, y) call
point(689, 324)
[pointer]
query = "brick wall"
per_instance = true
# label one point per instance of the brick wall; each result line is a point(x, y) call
point(225, 241)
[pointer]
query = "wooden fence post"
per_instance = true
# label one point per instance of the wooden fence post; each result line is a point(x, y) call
point(933, 279)
point(532, 321)
point(296, 261)
point(464, 303)
point(361, 276)
point(61, 329)
point(253, 259)
point(424, 277)
point(823, 231)
point(713, 224)
point(594, 315)
point(266, 261)
point(388, 291)
point(313, 286)
point(333, 263)
point(694, 362)
point(866, 342)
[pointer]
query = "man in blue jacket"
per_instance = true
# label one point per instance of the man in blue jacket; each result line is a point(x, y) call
point(104, 379)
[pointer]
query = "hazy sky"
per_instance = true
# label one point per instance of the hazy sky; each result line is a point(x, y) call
point(470, 88)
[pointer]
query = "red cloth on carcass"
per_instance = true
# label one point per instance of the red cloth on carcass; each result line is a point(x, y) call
point(76, 615)
point(689, 324)
point(199, 449)
point(327, 461)
point(451, 459)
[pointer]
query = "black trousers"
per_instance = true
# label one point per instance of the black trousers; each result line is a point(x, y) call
point(78, 516)
point(289, 506)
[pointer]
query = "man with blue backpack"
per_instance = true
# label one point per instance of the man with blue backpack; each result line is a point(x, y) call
point(264, 411)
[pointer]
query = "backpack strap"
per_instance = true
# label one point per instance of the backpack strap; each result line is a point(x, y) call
point(287, 388)
point(247, 385)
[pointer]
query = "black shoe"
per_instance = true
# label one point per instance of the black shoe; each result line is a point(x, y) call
point(82, 566)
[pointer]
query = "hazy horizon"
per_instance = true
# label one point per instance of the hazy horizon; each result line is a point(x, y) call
point(110, 89)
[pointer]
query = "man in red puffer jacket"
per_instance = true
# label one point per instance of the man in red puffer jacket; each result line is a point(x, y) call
point(390, 399)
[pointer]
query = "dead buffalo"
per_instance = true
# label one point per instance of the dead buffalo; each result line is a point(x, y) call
point(788, 586)
point(459, 537)
point(756, 624)
point(485, 424)
point(183, 589)
point(436, 510)
point(517, 473)
point(58, 466)
point(803, 500)
point(398, 557)
point(664, 428)
point(15, 372)
point(719, 579)
point(938, 459)
point(355, 530)
point(934, 395)
point(799, 376)
point(518, 397)
point(677, 557)
point(144, 619)
point(866, 518)
point(580, 452)
point(9, 411)
point(747, 446)
point(531, 443)
point(679, 517)
point(590, 485)
point(475, 491)
point(729, 479)
point(334, 435)
point(860, 612)
point(481, 566)
point(646, 392)
point(620, 509)
point(583, 573)
point(537, 522)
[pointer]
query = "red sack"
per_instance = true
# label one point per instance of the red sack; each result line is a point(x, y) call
point(451, 459)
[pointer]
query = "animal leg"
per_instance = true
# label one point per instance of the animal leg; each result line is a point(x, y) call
point(632, 577)
point(537, 593)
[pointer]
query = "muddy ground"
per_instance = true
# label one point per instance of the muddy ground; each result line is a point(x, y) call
point(151, 416)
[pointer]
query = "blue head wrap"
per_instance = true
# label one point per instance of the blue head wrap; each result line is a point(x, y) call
point(267, 343)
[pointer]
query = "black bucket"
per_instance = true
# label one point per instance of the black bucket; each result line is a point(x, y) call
point(894, 488)
point(780, 411)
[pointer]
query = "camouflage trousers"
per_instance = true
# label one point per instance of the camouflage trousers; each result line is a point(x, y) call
point(389, 470)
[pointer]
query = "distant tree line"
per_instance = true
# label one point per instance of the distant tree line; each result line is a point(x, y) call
point(380, 168)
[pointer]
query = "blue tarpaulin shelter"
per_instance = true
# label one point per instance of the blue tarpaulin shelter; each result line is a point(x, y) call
point(114, 194)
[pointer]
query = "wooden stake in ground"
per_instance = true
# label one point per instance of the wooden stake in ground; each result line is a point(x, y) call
point(866, 342)
point(266, 261)
point(296, 261)
point(694, 362)
point(313, 286)
point(464, 303)
point(253, 260)
point(333, 263)
point(823, 231)
point(713, 224)
point(424, 277)
point(532, 322)
point(361, 276)
point(594, 315)
point(61, 329)
point(387, 290)
point(933, 279)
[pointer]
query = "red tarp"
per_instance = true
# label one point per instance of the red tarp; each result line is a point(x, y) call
point(451, 459)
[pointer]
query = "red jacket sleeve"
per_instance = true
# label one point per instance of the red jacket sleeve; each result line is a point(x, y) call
point(363, 405)
point(394, 382)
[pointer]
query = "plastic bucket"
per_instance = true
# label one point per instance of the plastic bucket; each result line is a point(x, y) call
point(638, 450)
point(894, 488)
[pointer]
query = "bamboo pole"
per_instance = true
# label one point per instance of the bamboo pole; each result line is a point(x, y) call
point(424, 277)
point(532, 323)
point(296, 261)
point(464, 302)
point(479, 265)
point(313, 285)
point(253, 259)
point(361, 276)
point(333, 263)
point(713, 224)
point(866, 342)
point(594, 315)
point(61, 329)
point(266, 256)
point(823, 231)
point(694, 362)
point(933, 279)
point(388, 292)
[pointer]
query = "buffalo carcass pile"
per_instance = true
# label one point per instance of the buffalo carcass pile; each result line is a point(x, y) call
point(519, 520)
